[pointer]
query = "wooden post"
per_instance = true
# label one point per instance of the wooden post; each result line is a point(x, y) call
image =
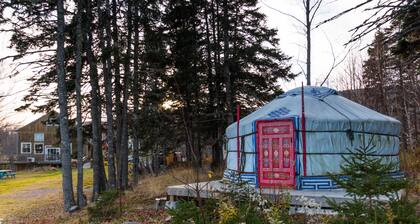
point(238, 141)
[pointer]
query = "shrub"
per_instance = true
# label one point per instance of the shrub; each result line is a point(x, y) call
point(104, 208)
point(366, 180)
point(189, 212)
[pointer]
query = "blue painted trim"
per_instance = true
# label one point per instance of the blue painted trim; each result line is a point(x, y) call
point(325, 183)
point(254, 141)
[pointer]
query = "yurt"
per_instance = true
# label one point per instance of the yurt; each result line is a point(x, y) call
point(298, 138)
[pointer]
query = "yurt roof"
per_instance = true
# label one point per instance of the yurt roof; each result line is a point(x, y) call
point(325, 110)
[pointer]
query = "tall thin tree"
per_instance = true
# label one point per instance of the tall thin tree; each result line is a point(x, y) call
point(124, 131)
point(64, 127)
point(105, 42)
point(81, 201)
point(136, 89)
point(99, 179)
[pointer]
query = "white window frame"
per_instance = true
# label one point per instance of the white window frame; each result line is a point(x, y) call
point(21, 148)
point(39, 140)
point(50, 147)
point(43, 148)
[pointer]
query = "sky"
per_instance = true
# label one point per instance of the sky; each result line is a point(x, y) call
point(327, 40)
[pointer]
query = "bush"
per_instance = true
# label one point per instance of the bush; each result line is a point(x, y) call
point(366, 180)
point(104, 208)
point(189, 212)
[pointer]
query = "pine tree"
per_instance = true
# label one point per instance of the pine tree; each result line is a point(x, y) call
point(366, 177)
point(376, 75)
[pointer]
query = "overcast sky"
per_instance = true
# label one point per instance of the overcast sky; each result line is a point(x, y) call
point(292, 43)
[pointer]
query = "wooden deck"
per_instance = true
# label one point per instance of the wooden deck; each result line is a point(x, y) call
point(213, 189)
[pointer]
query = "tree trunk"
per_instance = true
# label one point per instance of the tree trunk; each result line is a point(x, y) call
point(105, 44)
point(124, 139)
point(81, 200)
point(308, 42)
point(135, 91)
point(226, 70)
point(118, 88)
point(62, 100)
point(99, 180)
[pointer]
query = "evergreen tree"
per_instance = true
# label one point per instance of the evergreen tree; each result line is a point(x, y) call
point(376, 74)
point(366, 178)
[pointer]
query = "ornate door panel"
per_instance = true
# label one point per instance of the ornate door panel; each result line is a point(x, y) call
point(276, 153)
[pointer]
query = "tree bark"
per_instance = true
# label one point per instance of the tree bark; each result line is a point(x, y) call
point(226, 70)
point(124, 139)
point(99, 180)
point(67, 183)
point(81, 200)
point(308, 42)
point(118, 87)
point(136, 103)
point(105, 44)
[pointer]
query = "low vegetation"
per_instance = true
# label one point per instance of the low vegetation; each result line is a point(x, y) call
point(33, 194)
point(366, 182)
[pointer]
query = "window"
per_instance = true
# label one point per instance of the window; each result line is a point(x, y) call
point(39, 148)
point(51, 122)
point(26, 148)
point(39, 137)
point(52, 154)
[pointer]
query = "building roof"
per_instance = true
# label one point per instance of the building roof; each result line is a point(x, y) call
point(325, 110)
point(43, 117)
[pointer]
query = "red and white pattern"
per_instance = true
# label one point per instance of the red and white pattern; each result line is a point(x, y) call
point(276, 155)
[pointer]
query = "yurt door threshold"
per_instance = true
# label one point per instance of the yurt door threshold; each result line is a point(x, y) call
point(276, 153)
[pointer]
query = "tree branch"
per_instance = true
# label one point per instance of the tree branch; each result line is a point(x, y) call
point(26, 53)
point(343, 13)
point(284, 13)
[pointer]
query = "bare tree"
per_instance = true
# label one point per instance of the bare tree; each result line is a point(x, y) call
point(64, 128)
point(311, 10)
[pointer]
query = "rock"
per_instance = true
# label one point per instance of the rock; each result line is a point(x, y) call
point(87, 165)
point(73, 208)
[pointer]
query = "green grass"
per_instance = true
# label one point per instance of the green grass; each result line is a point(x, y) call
point(32, 190)
point(41, 180)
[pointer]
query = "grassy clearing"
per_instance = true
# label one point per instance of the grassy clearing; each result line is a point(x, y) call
point(40, 179)
point(33, 190)
point(40, 199)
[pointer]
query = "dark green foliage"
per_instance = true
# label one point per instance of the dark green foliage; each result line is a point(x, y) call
point(189, 212)
point(404, 211)
point(368, 176)
point(184, 212)
point(366, 180)
point(104, 208)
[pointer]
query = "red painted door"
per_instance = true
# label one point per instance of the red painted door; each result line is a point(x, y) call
point(276, 153)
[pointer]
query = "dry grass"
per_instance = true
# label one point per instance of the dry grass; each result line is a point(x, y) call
point(45, 204)
point(34, 196)
point(156, 186)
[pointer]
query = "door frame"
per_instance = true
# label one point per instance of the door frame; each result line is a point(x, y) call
point(257, 149)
